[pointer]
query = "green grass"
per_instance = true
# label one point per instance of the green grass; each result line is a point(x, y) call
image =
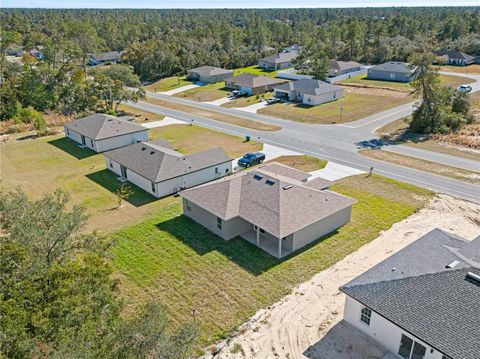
point(177, 262)
point(168, 83)
point(248, 101)
point(210, 92)
point(255, 70)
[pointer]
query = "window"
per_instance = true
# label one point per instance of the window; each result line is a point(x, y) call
point(91, 142)
point(262, 231)
point(216, 170)
point(153, 187)
point(227, 170)
point(187, 206)
point(219, 223)
point(68, 132)
point(111, 164)
point(406, 346)
point(366, 315)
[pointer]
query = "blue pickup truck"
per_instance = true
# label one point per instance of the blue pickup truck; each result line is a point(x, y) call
point(251, 159)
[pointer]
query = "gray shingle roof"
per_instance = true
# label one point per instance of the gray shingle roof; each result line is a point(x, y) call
point(283, 170)
point(100, 126)
point(282, 208)
point(108, 56)
point(457, 55)
point(309, 86)
point(158, 163)
point(280, 58)
point(210, 70)
point(394, 66)
point(319, 183)
point(415, 290)
point(344, 65)
point(249, 80)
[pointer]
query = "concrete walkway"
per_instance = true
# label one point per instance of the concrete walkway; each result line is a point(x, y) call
point(165, 122)
point(334, 171)
point(220, 101)
point(253, 108)
point(180, 89)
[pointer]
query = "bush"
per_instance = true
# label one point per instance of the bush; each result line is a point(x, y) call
point(27, 115)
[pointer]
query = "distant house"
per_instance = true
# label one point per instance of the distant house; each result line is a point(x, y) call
point(105, 57)
point(393, 71)
point(421, 302)
point(159, 170)
point(338, 68)
point(209, 74)
point(14, 50)
point(276, 212)
point(292, 49)
point(278, 61)
point(252, 84)
point(309, 92)
point(101, 132)
point(37, 52)
point(292, 74)
point(456, 58)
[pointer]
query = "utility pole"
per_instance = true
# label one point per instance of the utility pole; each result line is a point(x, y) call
point(341, 112)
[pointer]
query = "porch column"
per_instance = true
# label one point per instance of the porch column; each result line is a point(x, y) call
point(279, 248)
point(258, 237)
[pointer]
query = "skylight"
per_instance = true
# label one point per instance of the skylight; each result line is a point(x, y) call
point(270, 182)
point(257, 177)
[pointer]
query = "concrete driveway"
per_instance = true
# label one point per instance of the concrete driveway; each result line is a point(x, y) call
point(181, 89)
point(335, 171)
point(165, 122)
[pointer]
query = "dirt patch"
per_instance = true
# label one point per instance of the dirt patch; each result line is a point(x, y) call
point(302, 162)
point(373, 91)
point(301, 319)
point(141, 116)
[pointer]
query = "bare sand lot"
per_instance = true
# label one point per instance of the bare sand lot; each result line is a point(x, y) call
point(295, 326)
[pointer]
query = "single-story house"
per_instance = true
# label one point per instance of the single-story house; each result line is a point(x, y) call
point(278, 61)
point(292, 49)
point(309, 92)
point(101, 132)
point(252, 84)
point(209, 74)
point(278, 214)
point(161, 171)
point(456, 58)
point(292, 74)
point(104, 57)
point(338, 68)
point(15, 50)
point(393, 71)
point(421, 302)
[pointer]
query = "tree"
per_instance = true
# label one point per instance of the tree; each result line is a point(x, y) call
point(124, 192)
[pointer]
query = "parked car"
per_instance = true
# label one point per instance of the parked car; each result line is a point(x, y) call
point(238, 93)
point(465, 88)
point(273, 100)
point(251, 159)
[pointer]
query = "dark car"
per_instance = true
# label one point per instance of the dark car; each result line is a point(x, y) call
point(273, 100)
point(251, 159)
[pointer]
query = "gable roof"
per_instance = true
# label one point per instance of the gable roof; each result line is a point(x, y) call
point(100, 126)
point(281, 208)
point(210, 70)
point(395, 66)
point(108, 56)
point(309, 86)
point(292, 48)
point(456, 55)
point(417, 291)
point(158, 163)
point(280, 58)
point(283, 170)
point(344, 65)
point(250, 80)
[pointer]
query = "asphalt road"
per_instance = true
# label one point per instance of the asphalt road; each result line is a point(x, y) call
point(338, 143)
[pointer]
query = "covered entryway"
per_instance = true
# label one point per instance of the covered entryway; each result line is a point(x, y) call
point(272, 245)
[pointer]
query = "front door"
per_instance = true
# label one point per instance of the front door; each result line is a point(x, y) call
point(124, 171)
point(83, 140)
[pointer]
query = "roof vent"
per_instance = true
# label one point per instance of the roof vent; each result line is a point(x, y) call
point(270, 182)
point(257, 177)
point(474, 277)
point(144, 148)
point(288, 186)
point(152, 152)
point(452, 265)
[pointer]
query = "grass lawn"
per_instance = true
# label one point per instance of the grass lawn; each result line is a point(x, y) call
point(238, 121)
point(454, 81)
point(210, 92)
point(190, 139)
point(248, 101)
point(173, 260)
point(355, 106)
point(423, 165)
point(255, 70)
point(470, 69)
point(141, 116)
point(168, 83)
point(302, 162)
point(45, 164)
point(394, 129)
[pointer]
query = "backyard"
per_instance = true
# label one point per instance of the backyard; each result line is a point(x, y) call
point(194, 273)
point(254, 70)
point(356, 104)
point(44, 164)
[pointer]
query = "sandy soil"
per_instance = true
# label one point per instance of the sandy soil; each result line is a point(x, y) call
point(290, 327)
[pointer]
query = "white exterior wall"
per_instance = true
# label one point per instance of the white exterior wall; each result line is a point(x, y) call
point(120, 141)
point(319, 99)
point(381, 330)
point(78, 138)
point(320, 228)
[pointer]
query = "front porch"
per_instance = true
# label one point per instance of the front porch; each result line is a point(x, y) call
point(268, 243)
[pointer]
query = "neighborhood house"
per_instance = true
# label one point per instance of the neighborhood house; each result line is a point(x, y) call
point(293, 49)
point(208, 74)
point(279, 213)
point(101, 132)
point(393, 71)
point(278, 61)
point(456, 58)
point(105, 57)
point(160, 170)
point(422, 302)
point(338, 68)
point(252, 84)
point(309, 92)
